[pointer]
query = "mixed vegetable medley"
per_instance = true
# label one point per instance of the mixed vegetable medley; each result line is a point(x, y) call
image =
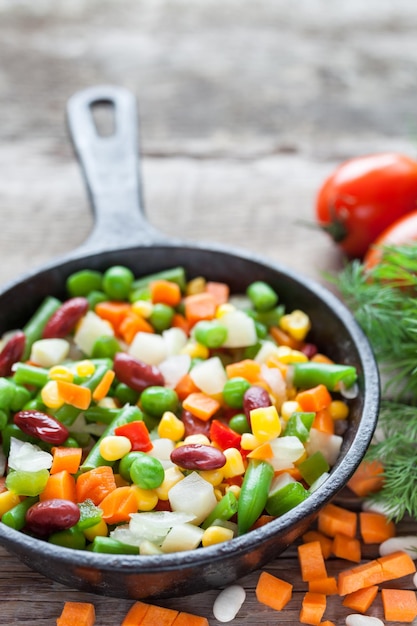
point(160, 414)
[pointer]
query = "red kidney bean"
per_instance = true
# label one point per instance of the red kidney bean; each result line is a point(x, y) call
point(41, 425)
point(196, 456)
point(12, 352)
point(254, 398)
point(50, 516)
point(193, 425)
point(64, 320)
point(136, 374)
point(309, 349)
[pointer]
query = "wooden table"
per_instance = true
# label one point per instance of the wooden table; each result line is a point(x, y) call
point(245, 108)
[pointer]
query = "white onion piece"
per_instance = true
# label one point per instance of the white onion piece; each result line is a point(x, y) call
point(227, 604)
point(149, 348)
point(91, 328)
point(415, 580)
point(26, 457)
point(193, 495)
point(275, 380)
point(349, 392)
point(175, 339)
point(174, 368)
point(355, 619)
point(241, 330)
point(49, 352)
point(209, 376)
point(182, 537)
point(329, 445)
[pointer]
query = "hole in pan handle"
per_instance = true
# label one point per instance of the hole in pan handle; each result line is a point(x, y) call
point(111, 168)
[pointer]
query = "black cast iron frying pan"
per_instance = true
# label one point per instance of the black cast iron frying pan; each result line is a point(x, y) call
point(122, 235)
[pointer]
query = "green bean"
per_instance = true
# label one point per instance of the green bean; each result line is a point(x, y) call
point(69, 538)
point(34, 328)
point(262, 296)
point(224, 510)
point(253, 494)
point(286, 498)
point(94, 297)
point(94, 459)
point(310, 374)
point(105, 347)
point(26, 374)
point(100, 414)
point(21, 397)
point(174, 275)
point(112, 546)
point(16, 517)
point(4, 418)
point(125, 394)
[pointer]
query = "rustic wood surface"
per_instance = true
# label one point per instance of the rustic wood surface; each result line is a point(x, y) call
point(245, 107)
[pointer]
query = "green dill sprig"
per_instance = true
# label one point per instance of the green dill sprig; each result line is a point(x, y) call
point(397, 450)
point(384, 303)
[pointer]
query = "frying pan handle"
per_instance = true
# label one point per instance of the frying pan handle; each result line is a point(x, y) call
point(110, 164)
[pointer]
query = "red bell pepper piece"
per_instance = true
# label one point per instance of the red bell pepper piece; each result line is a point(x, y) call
point(138, 434)
point(222, 435)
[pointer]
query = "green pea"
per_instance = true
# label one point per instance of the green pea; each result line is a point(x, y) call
point(71, 442)
point(234, 390)
point(126, 394)
point(4, 418)
point(126, 463)
point(262, 296)
point(105, 347)
point(156, 400)
point(240, 424)
point(69, 538)
point(7, 392)
point(210, 333)
point(147, 472)
point(82, 283)
point(117, 282)
point(161, 316)
point(95, 297)
point(21, 397)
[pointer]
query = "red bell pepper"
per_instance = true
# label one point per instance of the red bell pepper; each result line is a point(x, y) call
point(138, 434)
point(222, 435)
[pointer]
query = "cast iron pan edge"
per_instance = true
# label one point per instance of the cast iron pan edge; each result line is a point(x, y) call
point(122, 235)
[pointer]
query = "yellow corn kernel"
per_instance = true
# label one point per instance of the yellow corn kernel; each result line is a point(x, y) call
point(216, 534)
point(8, 500)
point(249, 441)
point(222, 309)
point(143, 308)
point(60, 372)
point(195, 350)
point(170, 427)
point(173, 475)
point(114, 447)
point(285, 354)
point(147, 498)
point(235, 489)
point(98, 530)
point(196, 285)
point(197, 438)
point(214, 477)
point(265, 423)
point(296, 324)
point(234, 463)
point(85, 368)
point(108, 403)
point(218, 493)
point(339, 410)
point(51, 396)
point(288, 408)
